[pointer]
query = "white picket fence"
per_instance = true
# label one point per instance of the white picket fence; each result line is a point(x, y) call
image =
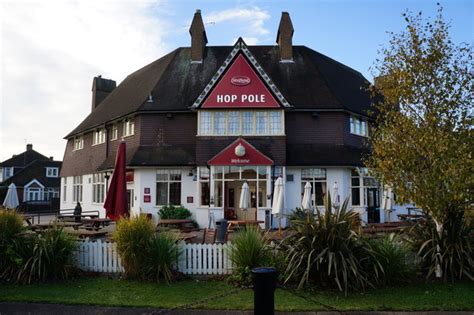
point(195, 259)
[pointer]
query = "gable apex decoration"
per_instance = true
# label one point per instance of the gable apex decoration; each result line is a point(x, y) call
point(240, 47)
point(240, 153)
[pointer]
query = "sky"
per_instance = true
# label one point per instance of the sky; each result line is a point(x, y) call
point(51, 50)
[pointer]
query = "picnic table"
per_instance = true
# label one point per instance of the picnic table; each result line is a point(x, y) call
point(97, 223)
point(82, 233)
point(43, 226)
point(411, 217)
point(236, 223)
point(76, 217)
point(182, 224)
point(186, 236)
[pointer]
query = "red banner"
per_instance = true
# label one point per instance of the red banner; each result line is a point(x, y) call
point(240, 87)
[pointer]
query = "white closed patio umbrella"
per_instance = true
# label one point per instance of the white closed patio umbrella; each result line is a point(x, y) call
point(335, 196)
point(307, 196)
point(387, 201)
point(244, 202)
point(11, 199)
point(277, 202)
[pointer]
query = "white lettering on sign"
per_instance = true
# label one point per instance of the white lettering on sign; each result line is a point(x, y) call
point(250, 98)
point(240, 161)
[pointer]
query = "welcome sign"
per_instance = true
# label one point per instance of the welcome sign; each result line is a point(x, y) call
point(240, 87)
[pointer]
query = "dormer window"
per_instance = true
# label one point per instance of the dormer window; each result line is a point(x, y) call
point(359, 126)
point(52, 172)
point(78, 143)
point(99, 136)
point(128, 127)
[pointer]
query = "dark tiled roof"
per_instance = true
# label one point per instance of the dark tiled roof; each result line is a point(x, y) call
point(324, 155)
point(156, 156)
point(23, 159)
point(313, 81)
point(35, 170)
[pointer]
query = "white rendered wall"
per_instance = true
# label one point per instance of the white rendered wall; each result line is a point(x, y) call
point(86, 203)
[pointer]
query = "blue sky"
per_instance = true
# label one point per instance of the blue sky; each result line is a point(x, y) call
point(51, 50)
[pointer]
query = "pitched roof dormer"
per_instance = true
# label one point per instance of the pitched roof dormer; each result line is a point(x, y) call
point(240, 82)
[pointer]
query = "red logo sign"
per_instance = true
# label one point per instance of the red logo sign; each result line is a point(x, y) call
point(251, 156)
point(240, 80)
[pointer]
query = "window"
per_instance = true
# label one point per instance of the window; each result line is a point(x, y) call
point(205, 123)
point(33, 194)
point(128, 127)
point(78, 143)
point(359, 127)
point(98, 188)
point(65, 189)
point(360, 182)
point(114, 134)
point(219, 123)
point(99, 136)
point(8, 172)
point(52, 172)
point(77, 189)
point(51, 193)
point(224, 123)
point(317, 178)
point(204, 188)
point(168, 187)
point(233, 124)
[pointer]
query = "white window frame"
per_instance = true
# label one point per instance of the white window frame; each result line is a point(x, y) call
point(129, 127)
point(98, 136)
point(209, 117)
point(78, 143)
point(77, 188)
point(168, 172)
point(114, 133)
point(362, 187)
point(203, 177)
point(313, 180)
point(8, 172)
point(98, 188)
point(65, 189)
point(52, 172)
point(359, 126)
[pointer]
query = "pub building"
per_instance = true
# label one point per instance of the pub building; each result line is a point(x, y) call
point(202, 120)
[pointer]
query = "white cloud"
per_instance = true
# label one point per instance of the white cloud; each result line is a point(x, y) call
point(50, 51)
point(248, 22)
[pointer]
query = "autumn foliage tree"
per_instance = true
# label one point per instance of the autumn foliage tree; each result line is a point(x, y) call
point(423, 141)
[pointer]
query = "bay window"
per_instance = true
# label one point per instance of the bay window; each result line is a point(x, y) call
point(233, 123)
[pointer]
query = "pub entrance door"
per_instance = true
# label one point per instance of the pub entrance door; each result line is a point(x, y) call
point(373, 205)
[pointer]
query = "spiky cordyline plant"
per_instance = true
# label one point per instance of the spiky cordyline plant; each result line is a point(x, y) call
point(325, 248)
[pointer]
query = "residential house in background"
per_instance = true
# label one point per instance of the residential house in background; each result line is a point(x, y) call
point(36, 177)
point(202, 120)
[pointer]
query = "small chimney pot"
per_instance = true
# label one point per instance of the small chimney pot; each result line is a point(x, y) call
point(29, 147)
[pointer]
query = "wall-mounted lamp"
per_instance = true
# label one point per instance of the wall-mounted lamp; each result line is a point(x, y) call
point(315, 115)
point(169, 115)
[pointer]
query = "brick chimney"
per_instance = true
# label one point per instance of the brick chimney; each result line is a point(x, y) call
point(284, 38)
point(100, 89)
point(29, 147)
point(198, 38)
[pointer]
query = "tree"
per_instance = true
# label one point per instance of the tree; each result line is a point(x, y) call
point(423, 140)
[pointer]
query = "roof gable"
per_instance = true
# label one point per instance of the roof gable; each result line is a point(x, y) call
point(240, 152)
point(23, 159)
point(241, 94)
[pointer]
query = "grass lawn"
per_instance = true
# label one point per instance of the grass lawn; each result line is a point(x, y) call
point(103, 291)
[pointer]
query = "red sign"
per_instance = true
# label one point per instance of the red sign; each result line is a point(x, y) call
point(129, 176)
point(240, 152)
point(146, 190)
point(240, 87)
point(147, 198)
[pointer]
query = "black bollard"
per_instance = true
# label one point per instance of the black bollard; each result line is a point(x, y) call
point(264, 285)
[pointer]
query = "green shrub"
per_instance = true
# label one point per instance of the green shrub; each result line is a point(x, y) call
point(173, 212)
point(133, 236)
point(144, 254)
point(325, 248)
point(392, 254)
point(247, 251)
point(46, 256)
point(163, 254)
point(11, 227)
point(298, 214)
point(452, 251)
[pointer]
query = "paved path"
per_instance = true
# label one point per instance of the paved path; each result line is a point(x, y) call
point(10, 308)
